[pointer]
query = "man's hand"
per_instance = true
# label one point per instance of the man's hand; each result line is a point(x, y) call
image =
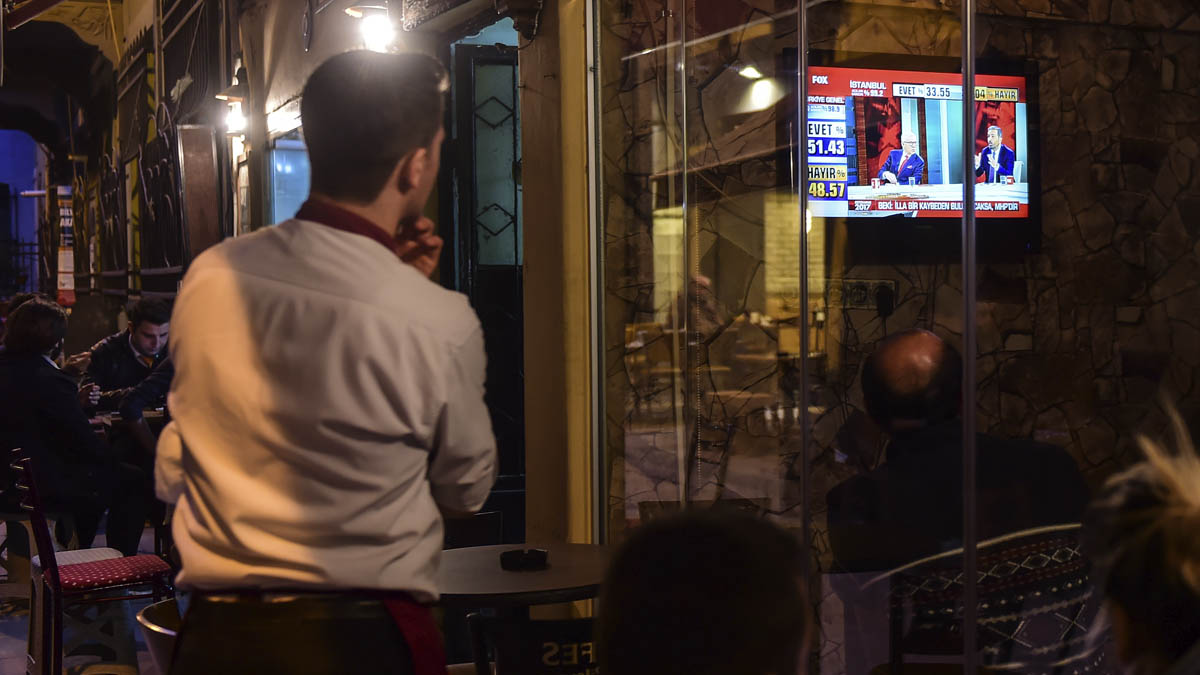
point(89, 395)
point(418, 245)
point(78, 364)
point(978, 160)
point(890, 177)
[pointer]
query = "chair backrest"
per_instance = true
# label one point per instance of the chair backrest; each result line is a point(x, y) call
point(481, 529)
point(525, 647)
point(1036, 603)
point(22, 466)
point(1019, 171)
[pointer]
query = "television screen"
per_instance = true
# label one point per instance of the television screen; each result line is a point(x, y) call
point(889, 143)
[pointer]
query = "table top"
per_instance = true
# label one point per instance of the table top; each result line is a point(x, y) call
point(109, 418)
point(472, 576)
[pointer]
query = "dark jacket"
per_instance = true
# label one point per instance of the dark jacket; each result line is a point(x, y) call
point(115, 368)
point(148, 393)
point(40, 413)
point(911, 506)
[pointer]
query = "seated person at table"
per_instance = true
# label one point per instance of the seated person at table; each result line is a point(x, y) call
point(911, 505)
point(1141, 534)
point(41, 414)
point(149, 393)
point(997, 159)
point(903, 164)
point(327, 407)
point(74, 365)
point(122, 360)
point(705, 593)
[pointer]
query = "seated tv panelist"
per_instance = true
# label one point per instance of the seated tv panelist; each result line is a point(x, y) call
point(905, 164)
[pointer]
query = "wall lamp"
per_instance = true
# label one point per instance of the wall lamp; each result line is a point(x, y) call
point(378, 31)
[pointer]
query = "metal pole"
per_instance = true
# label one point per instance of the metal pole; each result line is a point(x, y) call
point(802, 188)
point(970, 534)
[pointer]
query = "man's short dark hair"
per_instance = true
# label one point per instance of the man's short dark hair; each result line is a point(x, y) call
point(35, 327)
point(362, 112)
point(154, 311)
point(706, 593)
point(887, 399)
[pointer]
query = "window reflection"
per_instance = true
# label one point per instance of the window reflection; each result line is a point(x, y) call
point(1086, 276)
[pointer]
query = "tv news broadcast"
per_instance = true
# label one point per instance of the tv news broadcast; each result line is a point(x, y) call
point(889, 143)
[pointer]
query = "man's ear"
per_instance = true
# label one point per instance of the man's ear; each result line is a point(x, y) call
point(412, 168)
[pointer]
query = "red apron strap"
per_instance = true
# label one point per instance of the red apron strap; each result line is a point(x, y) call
point(420, 632)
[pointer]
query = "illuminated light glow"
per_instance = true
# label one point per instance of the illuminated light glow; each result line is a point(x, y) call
point(283, 121)
point(378, 32)
point(808, 220)
point(751, 73)
point(235, 121)
point(763, 94)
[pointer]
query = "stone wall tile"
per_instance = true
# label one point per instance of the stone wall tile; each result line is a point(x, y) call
point(1097, 226)
point(1121, 13)
point(1113, 67)
point(1171, 238)
point(1097, 109)
point(1099, 10)
point(1185, 339)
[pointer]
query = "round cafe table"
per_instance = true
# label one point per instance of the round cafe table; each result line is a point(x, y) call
point(472, 577)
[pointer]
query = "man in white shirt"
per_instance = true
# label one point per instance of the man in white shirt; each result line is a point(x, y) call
point(328, 399)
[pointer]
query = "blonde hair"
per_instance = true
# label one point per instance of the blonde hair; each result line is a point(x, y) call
point(1144, 533)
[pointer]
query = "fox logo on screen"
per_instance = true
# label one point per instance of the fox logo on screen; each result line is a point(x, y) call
point(820, 79)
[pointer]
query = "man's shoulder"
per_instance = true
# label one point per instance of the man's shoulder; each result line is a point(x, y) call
point(300, 258)
point(1026, 453)
point(109, 345)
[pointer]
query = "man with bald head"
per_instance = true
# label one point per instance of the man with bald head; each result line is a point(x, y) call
point(911, 505)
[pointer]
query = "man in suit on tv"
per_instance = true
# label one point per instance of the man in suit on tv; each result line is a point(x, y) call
point(903, 164)
point(997, 159)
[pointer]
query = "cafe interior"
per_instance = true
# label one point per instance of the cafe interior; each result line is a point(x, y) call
point(733, 214)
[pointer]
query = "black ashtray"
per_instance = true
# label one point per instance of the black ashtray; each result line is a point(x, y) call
point(525, 560)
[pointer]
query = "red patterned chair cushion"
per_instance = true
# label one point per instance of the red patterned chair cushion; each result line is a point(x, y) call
point(114, 572)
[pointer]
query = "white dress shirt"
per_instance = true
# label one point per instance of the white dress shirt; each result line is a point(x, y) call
point(327, 400)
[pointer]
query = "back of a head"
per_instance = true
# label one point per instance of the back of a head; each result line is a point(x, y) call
point(150, 310)
point(35, 327)
point(705, 593)
point(20, 299)
point(1143, 535)
point(362, 112)
point(912, 376)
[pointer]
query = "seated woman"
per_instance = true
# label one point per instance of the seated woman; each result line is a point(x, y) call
point(705, 593)
point(1144, 533)
point(41, 413)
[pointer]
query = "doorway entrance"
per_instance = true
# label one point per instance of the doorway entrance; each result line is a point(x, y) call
point(480, 207)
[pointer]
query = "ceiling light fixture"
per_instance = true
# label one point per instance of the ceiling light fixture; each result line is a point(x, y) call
point(750, 73)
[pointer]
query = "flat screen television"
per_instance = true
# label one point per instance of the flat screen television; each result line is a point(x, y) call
point(884, 152)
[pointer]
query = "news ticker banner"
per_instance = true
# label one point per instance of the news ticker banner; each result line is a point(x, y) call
point(830, 129)
point(938, 208)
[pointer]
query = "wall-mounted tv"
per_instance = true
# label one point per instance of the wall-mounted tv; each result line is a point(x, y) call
point(884, 148)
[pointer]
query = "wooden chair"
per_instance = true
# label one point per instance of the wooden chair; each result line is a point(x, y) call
point(79, 582)
point(1035, 609)
point(525, 647)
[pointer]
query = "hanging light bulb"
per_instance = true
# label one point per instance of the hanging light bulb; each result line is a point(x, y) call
point(378, 31)
point(235, 122)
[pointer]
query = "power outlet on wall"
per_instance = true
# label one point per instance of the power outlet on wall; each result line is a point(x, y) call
point(858, 293)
